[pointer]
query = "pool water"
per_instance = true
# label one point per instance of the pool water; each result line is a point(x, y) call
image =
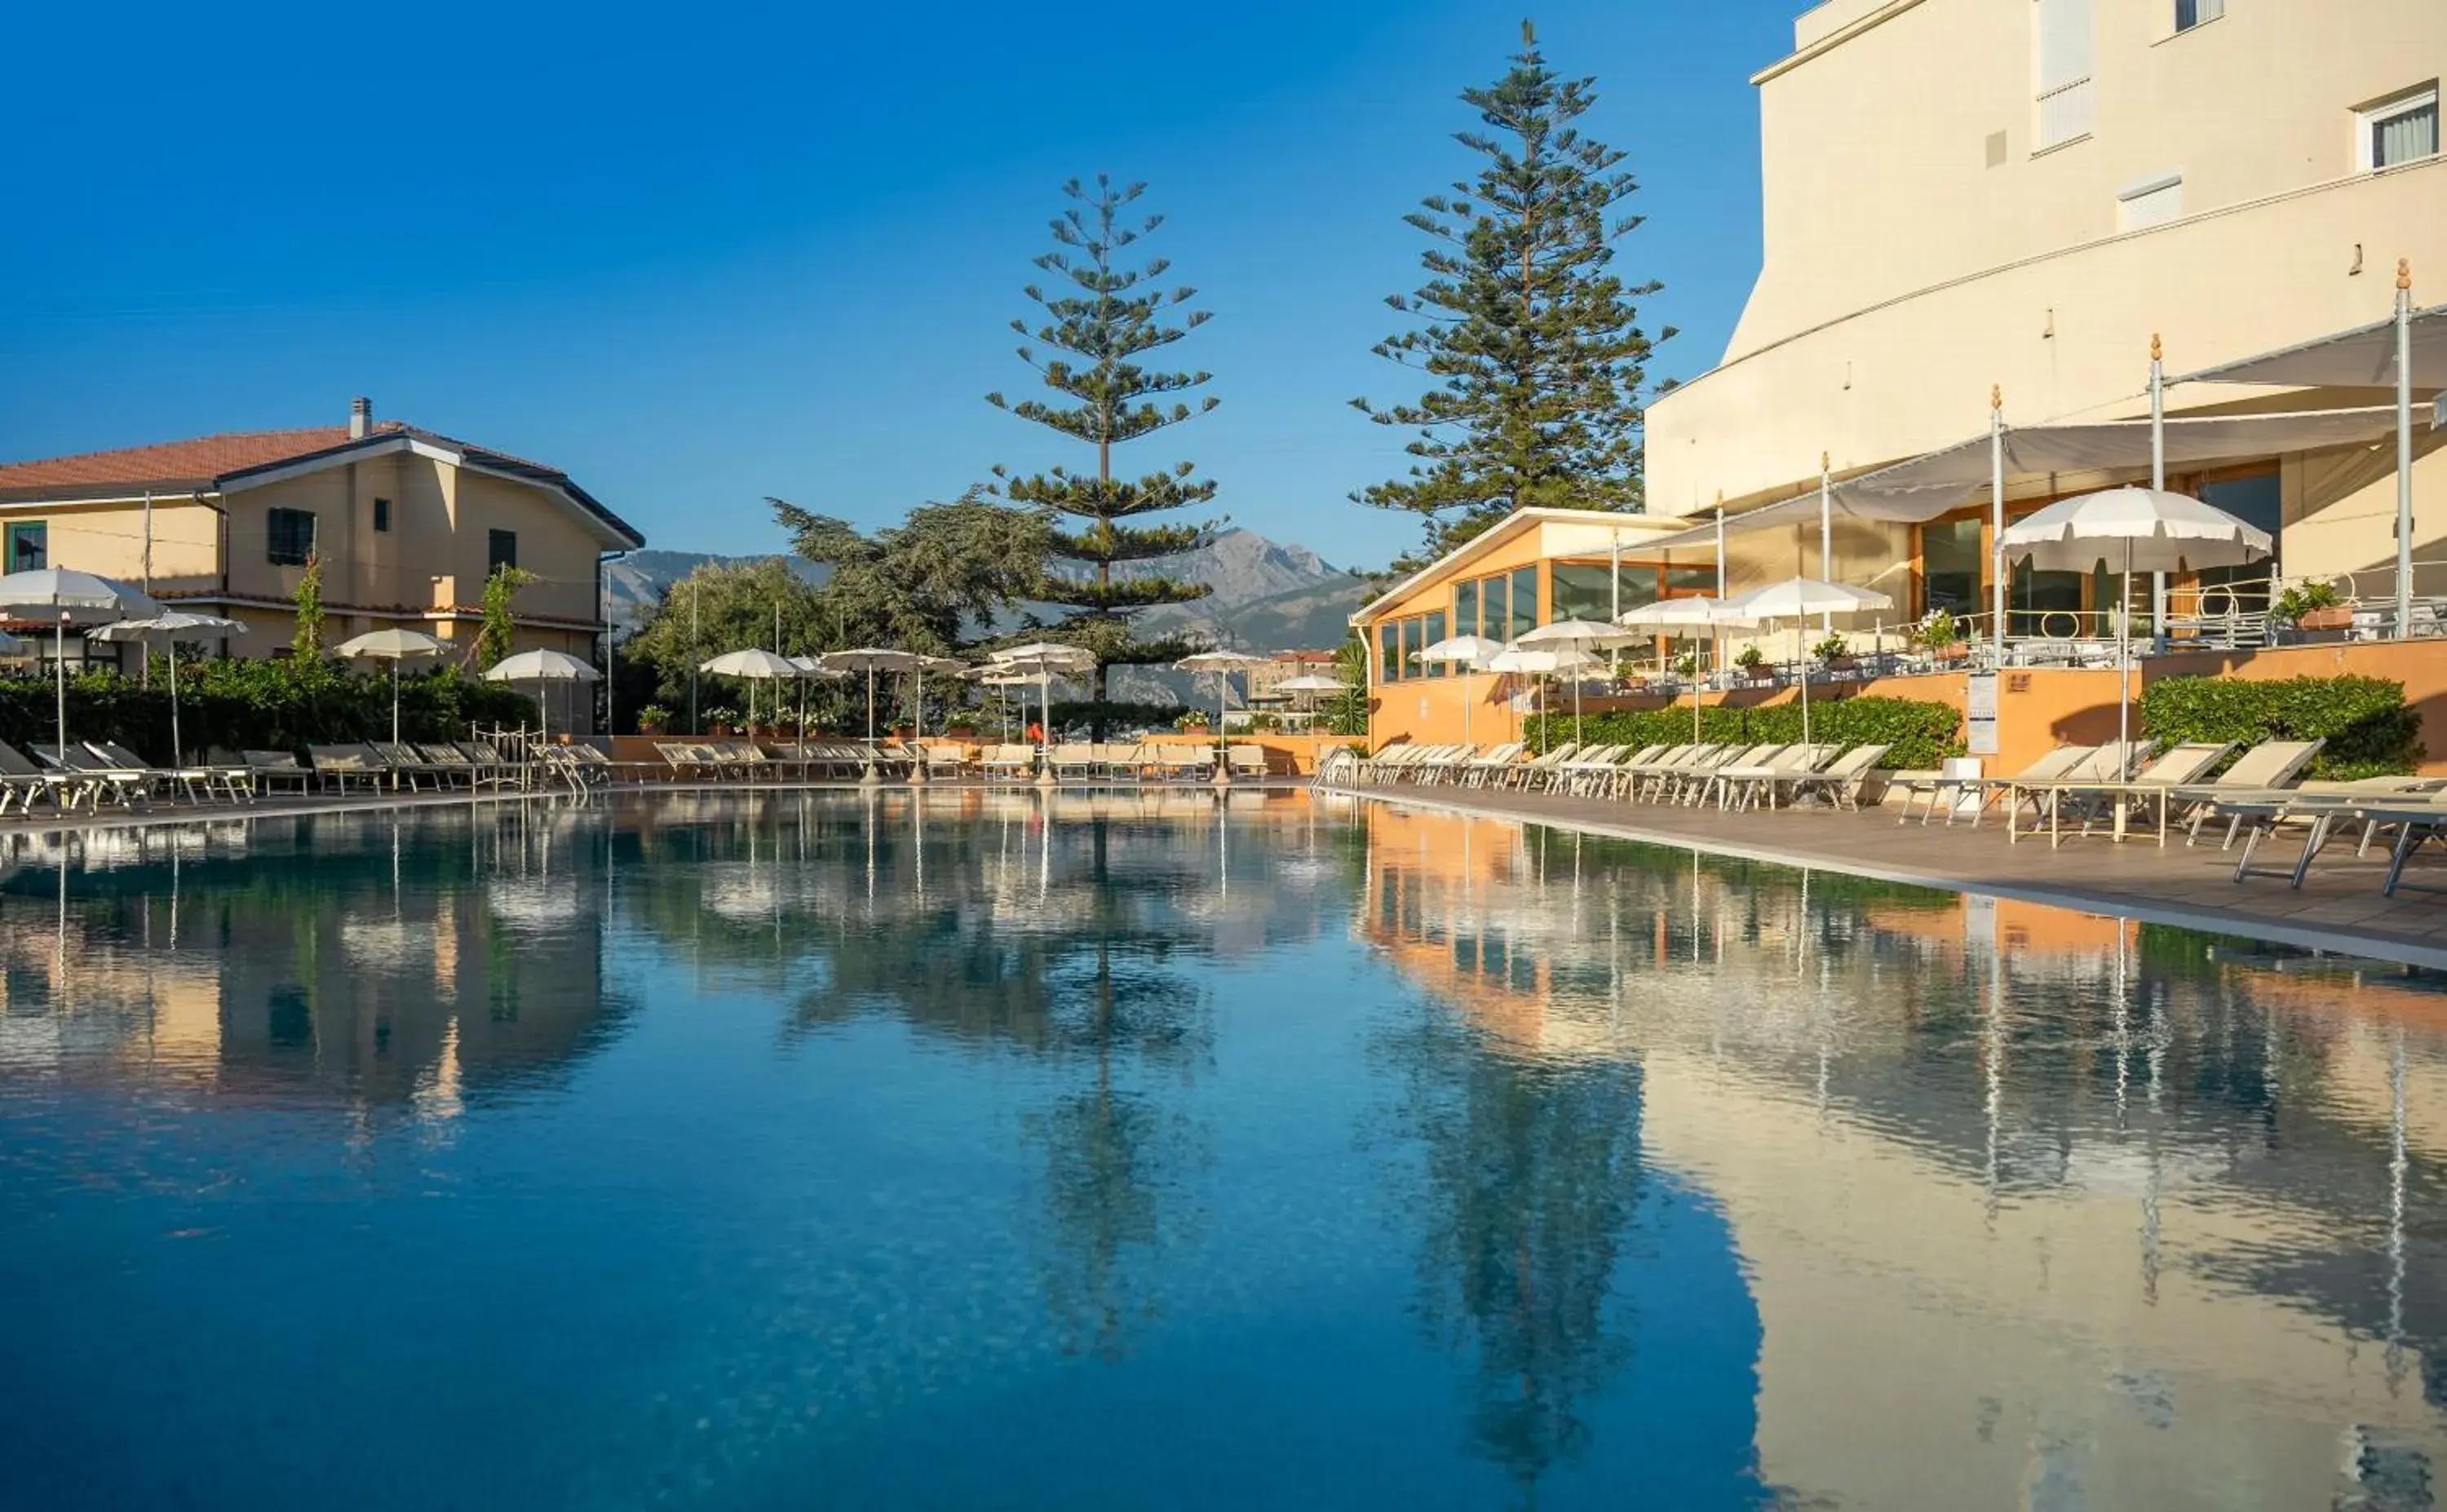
point(985, 1150)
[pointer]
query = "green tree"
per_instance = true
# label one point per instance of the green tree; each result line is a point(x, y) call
point(307, 644)
point(938, 580)
point(1097, 324)
point(501, 627)
point(719, 608)
point(1532, 342)
point(1346, 712)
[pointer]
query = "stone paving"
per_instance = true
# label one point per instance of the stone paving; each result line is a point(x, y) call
point(2338, 908)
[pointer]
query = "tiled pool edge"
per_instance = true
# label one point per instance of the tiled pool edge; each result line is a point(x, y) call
point(2335, 939)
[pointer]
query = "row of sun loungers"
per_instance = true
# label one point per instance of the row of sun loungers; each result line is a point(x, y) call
point(740, 760)
point(1732, 778)
point(89, 774)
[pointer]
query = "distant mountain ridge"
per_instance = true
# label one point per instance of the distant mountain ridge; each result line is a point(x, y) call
point(1266, 596)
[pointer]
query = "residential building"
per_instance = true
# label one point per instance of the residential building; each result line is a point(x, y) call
point(406, 523)
point(1967, 199)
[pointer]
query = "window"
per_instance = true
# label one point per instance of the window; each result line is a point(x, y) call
point(2191, 13)
point(1950, 577)
point(1389, 651)
point(1524, 604)
point(1466, 608)
point(291, 536)
point(2258, 501)
point(382, 513)
point(2152, 203)
point(29, 547)
point(501, 550)
point(2068, 104)
point(2403, 130)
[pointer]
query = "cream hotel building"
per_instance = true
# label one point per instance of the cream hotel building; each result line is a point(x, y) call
point(2001, 202)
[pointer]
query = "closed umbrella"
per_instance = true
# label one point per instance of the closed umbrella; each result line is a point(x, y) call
point(63, 597)
point(2146, 530)
point(393, 646)
point(176, 625)
point(1799, 598)
point(542, 667)
point(1580, 636)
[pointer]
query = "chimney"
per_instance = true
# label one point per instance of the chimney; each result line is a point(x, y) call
point(361, 418)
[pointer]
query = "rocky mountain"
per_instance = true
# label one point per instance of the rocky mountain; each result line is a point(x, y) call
point(1267, 596)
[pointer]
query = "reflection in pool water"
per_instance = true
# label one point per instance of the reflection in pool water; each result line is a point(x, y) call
point(978, 1149)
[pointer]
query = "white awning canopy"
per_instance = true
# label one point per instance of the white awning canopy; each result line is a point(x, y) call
point(2362, 358)
point(1941, 482)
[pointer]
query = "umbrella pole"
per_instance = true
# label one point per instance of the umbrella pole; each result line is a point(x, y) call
point(2124, 660)
point(177, 758)
point(394, 700)
point(1804, 697)
point(60, 676)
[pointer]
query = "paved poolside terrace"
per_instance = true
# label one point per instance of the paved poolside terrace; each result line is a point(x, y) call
point(2339, 909)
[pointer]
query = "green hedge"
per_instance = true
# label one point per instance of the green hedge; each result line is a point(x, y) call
point(255, 705)
point(2370, 729)
point(1919, 735)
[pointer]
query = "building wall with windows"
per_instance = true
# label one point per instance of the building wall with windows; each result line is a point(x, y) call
point(2236, 177)
point(1533, 567)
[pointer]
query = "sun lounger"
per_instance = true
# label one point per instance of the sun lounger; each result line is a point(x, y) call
point(2151, 789)
point(1592, 766)
point(1010, 763)
point(1640, 779)
point(1841, 781)
point(345, 767)
point(1187, 763)
point(2323, 810)
point(96, 779)
point(198, 781)
point(1744, 788)
point(276, 769)
point(2109, 765)
point(2056, 763)
point(1246, 760)
point(1485, 767)
point(1521, 775)
point(1710, 780)
point(2270, 767)
point(22, 781)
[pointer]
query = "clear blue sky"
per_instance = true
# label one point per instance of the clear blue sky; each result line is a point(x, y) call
point(696, 258)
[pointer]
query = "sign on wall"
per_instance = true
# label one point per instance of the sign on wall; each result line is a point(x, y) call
point(1980, 715)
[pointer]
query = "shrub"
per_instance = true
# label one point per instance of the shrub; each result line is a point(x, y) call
point(1919, 734)
point(2370, 729)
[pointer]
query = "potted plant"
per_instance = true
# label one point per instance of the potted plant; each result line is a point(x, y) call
point(1942, 638)
point(723, 722)
point(1194, 722)
point(653, 720)
point(1835, 653)
point(1752, 662)
point(1687, 665)
point(2312, 607)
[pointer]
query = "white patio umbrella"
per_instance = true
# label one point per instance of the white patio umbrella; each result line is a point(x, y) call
point(1799, 598)
point(1464, 653)
point(393, 646)
point(756, 664)
point(1223, 664)
point(870, 660)
point(1048, 660)
point(1310, 685)
point(1687, 613)
point(542, 667)
point(176, 625)
point(2131, 530)
point(62, 597)
point(1532, 661)
point(1580, 636)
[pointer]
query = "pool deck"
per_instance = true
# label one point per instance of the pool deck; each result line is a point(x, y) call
point(2338, 909)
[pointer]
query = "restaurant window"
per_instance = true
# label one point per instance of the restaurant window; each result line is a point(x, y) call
point(1524, 604)
point(1949, 557)
point(289, 536)
point(1466, 608)
point(2258, 501)
point(29, 546)
point(1389, 651)
point(501, 550)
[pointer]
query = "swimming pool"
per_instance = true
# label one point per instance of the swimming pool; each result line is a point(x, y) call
point(974, 1149)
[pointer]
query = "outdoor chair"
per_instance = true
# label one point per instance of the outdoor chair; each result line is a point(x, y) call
point(273, 768)
point(1841, 781)
point(1742, 788)
point(1481, 769)
point(196, 782)
point(2272, 767)
point(1710, 780)
point(1010, 763)
point(1074, 760)
point(408, 767)
point(24, 782)
point(97, 778)
point(1188, 762)
point(2152, 787)
point(1936, 785)
point(341, 766)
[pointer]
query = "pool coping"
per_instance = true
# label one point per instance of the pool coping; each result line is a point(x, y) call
point(2233, 923)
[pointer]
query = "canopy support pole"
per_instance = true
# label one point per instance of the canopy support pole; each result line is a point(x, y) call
point(60, 676)
point(2404, 448)
point(2157, 481)
point(1997, 520)
point(1825, 537)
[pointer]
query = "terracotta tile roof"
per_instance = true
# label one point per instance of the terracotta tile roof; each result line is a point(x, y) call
point(177, 462)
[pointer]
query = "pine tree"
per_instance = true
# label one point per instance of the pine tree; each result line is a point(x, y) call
point(1534, 344)
point(1097, 321)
